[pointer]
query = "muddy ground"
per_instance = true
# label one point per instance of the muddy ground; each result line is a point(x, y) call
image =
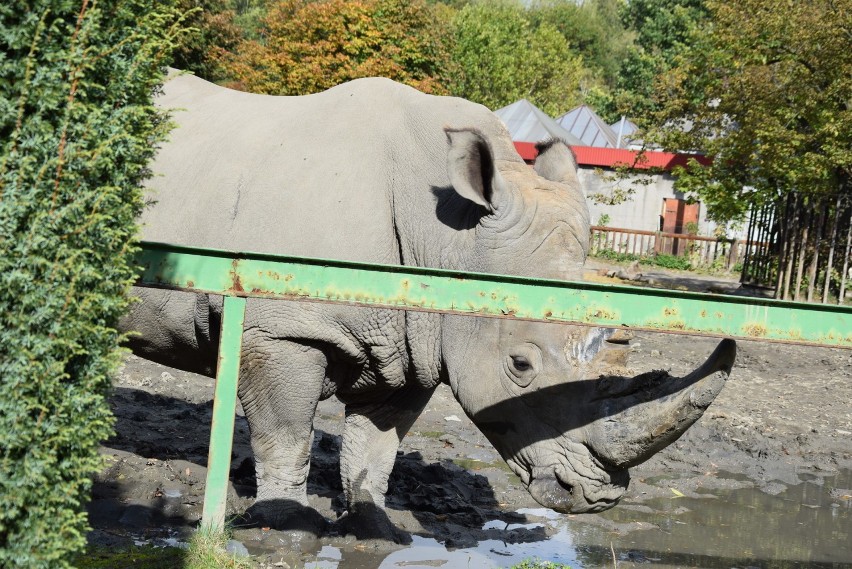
point(786, 414)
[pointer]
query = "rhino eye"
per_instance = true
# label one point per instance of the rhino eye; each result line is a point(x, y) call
point(520, 363)
point(522, 366)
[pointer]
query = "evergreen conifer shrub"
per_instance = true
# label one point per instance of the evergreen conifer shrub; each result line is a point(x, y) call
point(77, 128)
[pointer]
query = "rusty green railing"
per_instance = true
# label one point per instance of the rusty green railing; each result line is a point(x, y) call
point(241, 275)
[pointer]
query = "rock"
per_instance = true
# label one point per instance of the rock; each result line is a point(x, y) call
point(236, 548)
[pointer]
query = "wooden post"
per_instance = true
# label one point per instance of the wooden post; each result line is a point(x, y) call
point(812, 270)
point(841, 296)
point(830, 261)
point(733, 253)
point(792, 232)
point(803, 249)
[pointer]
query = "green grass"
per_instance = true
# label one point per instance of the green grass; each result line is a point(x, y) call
point(659, 260)
point(611, 255)
point(431, 434)
point(539, 564)
point(207, 551)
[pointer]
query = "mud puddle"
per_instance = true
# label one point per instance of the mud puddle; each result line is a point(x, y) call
point(806, 525)
point(733, 525)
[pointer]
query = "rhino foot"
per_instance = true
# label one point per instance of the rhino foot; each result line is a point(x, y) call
point(367, 521)
point(287, 516)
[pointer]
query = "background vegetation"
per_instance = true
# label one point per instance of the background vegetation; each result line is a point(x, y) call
point(556, 53)
point(76, 130)
point(765, 88)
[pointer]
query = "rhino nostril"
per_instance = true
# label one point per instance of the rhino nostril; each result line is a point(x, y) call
point(553, 493)
point(567, 487)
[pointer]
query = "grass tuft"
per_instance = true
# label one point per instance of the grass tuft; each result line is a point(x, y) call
point(539, 564)
point(207, 551)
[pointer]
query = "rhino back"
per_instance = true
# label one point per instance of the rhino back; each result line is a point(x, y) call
point(318, 175)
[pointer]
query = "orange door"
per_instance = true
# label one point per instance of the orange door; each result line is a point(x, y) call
point(676, 215)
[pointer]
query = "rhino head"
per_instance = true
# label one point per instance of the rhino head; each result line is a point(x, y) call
point(545, 394)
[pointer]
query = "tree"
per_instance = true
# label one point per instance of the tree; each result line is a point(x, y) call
point(77, 128)
point(765, 90)
point(500, 56)
point(212, 24)
point(663, 29)
point(593, 29)
point(215, 25)
point(307, 47)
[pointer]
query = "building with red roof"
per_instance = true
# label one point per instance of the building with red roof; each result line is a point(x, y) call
point(652, 204)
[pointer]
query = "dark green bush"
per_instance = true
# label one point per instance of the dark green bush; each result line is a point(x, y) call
point(659, 260)
point(77, 129)
point(616, 256)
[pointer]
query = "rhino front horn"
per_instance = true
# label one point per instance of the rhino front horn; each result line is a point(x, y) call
point(640, 416)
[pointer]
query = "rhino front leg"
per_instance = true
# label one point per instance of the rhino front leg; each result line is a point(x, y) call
point(280, 385)
point(371, 437)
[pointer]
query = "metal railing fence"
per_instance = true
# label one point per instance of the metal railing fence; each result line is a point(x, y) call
point(239, 276)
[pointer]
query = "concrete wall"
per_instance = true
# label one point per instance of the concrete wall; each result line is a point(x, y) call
point(643, 209)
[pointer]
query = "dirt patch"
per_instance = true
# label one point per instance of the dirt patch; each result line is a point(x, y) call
point(784, 416)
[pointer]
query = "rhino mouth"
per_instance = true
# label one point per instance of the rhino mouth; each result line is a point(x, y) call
point(565, 491)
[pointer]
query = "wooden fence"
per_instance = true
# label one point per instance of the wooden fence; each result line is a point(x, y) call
point(701, 251)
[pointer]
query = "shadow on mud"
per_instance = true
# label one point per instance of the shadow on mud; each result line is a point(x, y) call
point(158, 477)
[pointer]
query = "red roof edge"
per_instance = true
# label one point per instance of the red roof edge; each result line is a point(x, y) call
point(614, 157)
point(526, 150)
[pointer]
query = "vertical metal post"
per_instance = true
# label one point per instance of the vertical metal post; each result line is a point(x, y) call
point(224, 406)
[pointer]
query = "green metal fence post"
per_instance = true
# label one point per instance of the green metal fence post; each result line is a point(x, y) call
point(224, 407)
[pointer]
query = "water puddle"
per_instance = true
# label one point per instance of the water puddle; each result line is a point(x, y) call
point(805, 526)
point(808, 525)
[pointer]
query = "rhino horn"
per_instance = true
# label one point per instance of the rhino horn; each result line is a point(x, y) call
point(640, 416)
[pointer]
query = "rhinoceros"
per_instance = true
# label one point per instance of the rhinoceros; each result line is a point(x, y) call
point(375, 171)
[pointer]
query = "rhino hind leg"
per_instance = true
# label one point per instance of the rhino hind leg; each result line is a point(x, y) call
point(280, 386)
point(371, 438)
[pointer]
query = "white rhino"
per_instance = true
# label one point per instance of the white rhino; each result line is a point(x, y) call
point(375, 171)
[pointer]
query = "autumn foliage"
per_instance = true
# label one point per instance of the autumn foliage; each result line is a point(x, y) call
point(308, 47)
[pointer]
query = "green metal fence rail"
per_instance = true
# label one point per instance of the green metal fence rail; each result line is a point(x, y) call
point(241, 275)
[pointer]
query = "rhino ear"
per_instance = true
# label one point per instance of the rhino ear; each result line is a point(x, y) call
point(556, 161)
point(471, 168)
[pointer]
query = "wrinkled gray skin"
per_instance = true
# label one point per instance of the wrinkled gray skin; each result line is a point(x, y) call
point(375, 171)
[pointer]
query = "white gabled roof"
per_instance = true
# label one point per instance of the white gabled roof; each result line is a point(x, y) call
point(528, 123)
point(629, 127)
point(585, 124)
point(624, 129)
